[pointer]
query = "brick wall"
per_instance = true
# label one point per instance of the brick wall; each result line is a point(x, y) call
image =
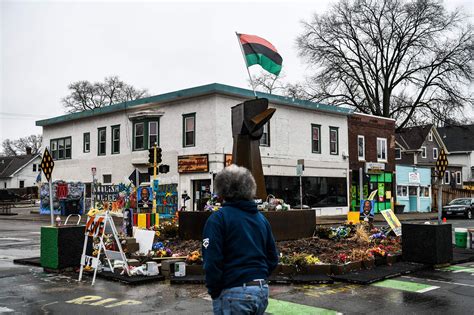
point(371, 127)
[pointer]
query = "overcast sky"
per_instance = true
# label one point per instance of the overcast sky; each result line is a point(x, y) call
point(157, 45)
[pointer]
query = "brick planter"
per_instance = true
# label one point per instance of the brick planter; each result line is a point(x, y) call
point(368, 264)
point(319, 269)
point(345, 268)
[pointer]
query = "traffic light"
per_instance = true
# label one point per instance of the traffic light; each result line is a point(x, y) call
point(158, 155)
point(150, 171)
point(163, 169)
point(151, 155)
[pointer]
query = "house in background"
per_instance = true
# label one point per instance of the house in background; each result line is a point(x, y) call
point(371, 159)
point(460, 143)
point(19, 171)
point(416, 151)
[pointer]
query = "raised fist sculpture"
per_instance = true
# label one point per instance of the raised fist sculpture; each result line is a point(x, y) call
point(248, 120)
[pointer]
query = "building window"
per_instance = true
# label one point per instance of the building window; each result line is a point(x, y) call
point(189, 130)
point(86, 147)
point(22, 184)
point(447, 178)
point(458, 178)
point(61, 148)
point(315, 138)
point(430, 136)
point(435, 153)
point(381, 150)
point(423, 152)
point(333, 141)
point(424, 191)
point(152, 133)
point(116, 139)
point(265, 139)
point(34, 167)
point(402, 191)
point(107, 179)
point(102, 141)
point(361, 147)
point(138, 135)
point(398, 154)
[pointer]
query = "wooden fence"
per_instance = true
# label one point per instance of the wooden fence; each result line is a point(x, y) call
point(449, 194)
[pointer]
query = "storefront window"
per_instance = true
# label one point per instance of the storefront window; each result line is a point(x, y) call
point(317, 191)
point(424, 191)
point(402, 191)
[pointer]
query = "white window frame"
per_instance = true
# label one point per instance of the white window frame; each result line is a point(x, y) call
point(447, 174)
point(336, 142)
point(458, 178)
point(423, 152)
point(384, 142)
point(430, 136)
point(150, 145)
point(361, 157)
point(265, 139)
point(435, 156)
point(135, 148)
point(400, 155)
point(402, 187)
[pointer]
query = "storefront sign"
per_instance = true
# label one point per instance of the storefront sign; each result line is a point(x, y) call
point(193, 163)
point(413, 177)
point(374, 168)
point(228, 160)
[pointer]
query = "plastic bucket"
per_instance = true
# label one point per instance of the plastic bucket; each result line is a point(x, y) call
point(460, 236)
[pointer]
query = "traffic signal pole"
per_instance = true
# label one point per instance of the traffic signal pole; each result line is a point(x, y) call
point(154, 177)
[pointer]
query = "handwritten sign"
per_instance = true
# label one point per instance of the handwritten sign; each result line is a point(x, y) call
point(393, 221)
point(193, 163)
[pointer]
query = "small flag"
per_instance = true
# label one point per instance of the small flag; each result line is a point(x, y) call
point(259, 51)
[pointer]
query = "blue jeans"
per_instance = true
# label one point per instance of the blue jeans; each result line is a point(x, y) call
point(242, 300)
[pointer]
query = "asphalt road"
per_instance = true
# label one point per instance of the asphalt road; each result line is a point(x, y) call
point(28, 290)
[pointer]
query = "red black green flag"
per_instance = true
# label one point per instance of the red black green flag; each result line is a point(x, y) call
point(260, 51)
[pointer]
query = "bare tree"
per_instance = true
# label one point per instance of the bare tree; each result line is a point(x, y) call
point(268, 83)
point(86, 95)
point(404, 59)
point(19, 146)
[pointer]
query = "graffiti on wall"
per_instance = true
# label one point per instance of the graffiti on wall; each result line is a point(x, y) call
point(68, 197)
point(167, 200)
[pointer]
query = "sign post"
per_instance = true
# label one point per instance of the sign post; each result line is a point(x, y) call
point(299, 172)
point(441, 165)
point(94, 171)
point(47, 165)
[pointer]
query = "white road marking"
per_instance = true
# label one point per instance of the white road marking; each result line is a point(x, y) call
point(427, 289)
point(5, 310)
point(440, 281)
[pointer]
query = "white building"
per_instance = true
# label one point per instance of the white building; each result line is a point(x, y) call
point(19, 171)
point(194, 127)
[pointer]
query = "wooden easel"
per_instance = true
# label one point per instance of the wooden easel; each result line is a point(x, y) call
point(95, 227)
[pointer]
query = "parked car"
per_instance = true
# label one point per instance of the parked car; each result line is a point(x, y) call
point(460, 206)
point(6, 195)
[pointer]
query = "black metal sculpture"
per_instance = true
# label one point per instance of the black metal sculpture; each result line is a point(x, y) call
point(248, 120)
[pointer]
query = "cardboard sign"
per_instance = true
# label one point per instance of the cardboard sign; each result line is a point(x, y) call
point(95, 226)
point(145, 197)
point(392, 220)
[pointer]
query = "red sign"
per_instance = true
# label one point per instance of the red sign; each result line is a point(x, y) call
point(61, 191)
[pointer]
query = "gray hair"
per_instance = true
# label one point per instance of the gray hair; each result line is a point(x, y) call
point(235, 183)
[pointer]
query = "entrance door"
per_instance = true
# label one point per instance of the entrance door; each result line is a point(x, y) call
point(201, 193)
point(413, 198)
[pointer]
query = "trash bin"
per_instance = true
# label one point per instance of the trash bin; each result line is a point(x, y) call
point(460, 236)
point(399, 209)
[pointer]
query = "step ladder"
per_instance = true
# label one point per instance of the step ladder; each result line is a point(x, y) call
point(95, 227)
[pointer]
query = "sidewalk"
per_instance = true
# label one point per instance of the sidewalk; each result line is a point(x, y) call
point(25, 214)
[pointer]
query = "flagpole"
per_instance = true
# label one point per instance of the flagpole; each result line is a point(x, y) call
point(246, 65)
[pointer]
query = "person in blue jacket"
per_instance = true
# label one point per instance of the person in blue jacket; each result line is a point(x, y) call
point(238, 247)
